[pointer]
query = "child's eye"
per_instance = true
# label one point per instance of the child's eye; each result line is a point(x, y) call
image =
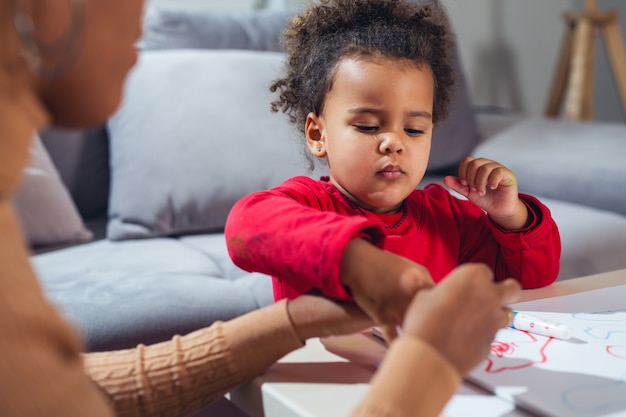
point(414, 132)
point(367, 129)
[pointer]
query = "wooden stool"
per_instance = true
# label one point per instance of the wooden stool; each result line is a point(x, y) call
point(575, 68)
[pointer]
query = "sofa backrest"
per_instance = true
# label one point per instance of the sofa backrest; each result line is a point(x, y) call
point(82, 160)
point(82, 157)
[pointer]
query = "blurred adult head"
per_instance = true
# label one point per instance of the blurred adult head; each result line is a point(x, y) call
point(72, 55)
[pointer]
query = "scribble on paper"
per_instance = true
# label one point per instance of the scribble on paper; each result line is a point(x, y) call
point(528, 348)
point(583, 377)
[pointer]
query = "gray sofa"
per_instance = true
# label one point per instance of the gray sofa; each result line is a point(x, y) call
point(127, 237)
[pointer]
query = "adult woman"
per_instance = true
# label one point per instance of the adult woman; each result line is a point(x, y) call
point(56, 56)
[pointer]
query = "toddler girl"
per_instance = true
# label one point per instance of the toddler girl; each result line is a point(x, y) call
point(366, 82)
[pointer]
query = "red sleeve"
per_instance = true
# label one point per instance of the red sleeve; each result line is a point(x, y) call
point(530, 255)
point(533, 254)
point(297, 232)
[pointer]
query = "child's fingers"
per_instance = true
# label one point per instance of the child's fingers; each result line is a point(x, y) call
point(500, 176)
point(455, 184)
point(463, 168)
point(484, 174)
point(472, 173)
point(481, 174)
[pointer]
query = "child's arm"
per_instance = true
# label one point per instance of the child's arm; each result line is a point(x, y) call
point(382, 283)
point(294, 233)
point(533, 259)
point(492, 187)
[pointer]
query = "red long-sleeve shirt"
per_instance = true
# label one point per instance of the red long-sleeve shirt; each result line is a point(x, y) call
point(297, 233)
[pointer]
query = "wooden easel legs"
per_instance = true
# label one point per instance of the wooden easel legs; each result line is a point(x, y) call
point(617, 55)
point(574, 74)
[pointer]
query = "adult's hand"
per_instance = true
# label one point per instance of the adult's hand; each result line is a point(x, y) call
point(317, 316)
point(460, 316)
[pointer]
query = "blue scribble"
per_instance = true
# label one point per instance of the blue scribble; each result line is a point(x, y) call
point(600, 398)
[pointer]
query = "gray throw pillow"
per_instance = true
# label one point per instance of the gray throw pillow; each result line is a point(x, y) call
point(169, 28)
point(166, 28)
point(543, 153)
point(44, 206)
point(193, 135)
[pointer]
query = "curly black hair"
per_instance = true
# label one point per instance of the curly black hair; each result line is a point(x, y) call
point(323, 35)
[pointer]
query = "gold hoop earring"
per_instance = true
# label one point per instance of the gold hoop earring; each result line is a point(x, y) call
point(50, 60)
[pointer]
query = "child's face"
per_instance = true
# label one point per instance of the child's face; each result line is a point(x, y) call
point(375, 129)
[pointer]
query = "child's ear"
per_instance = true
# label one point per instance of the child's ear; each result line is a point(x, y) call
point(314, 137)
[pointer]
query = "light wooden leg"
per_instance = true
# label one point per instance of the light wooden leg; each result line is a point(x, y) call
point(579, 67)
point(561, 74)
point(617, 56)
point(588, 89)
point(588, 82)
point(573, 79)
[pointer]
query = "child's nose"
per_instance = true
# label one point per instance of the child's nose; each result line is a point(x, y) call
point(390, 142)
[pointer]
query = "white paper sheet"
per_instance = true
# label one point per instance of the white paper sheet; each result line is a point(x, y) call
point(581, 377)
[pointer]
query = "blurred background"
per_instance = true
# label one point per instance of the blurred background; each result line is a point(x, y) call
point(509, 49)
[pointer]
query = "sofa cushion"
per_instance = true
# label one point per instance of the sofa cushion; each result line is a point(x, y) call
point(44, 206)
point(166, 28)
point(82, 159)
point(120, 294)
point(580, 162)
point(174, 28)
point(193, 135)
point(593, 240)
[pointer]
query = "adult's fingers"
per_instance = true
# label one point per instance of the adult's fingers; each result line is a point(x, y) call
point(510, 291)
point(390, 332)
point(509, 316)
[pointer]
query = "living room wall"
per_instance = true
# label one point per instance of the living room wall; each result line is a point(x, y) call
point(509, 49)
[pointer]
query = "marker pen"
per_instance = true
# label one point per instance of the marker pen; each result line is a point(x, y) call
point(538, 325)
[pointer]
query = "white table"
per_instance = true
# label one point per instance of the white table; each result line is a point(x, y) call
point(315, 382)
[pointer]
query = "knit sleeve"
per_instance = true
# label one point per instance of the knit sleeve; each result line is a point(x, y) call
point(188, 372)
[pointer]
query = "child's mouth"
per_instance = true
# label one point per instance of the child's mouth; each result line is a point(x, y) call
point(391, 172)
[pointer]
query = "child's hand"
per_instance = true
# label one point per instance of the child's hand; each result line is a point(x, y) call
point(382, 283)
point(492, 187)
